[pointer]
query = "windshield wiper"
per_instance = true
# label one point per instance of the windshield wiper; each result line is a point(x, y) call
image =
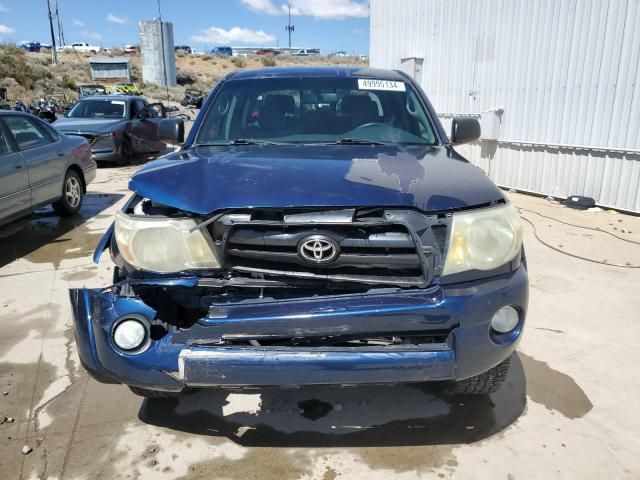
point(357, 141)
point(240, 141)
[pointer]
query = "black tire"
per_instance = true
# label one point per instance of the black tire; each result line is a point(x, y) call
point(72, 191)
point(485, 383)
point(125, 155)
point(146, 393)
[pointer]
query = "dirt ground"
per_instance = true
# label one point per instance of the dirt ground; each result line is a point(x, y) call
point(566, 411)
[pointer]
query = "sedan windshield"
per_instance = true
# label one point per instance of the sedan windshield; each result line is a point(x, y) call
point(316, 110)
point(98, 109)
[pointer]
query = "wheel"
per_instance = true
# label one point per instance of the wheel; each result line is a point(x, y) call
point(71, 200)
point(144, 392)
point(487, 382)
point(125, 156)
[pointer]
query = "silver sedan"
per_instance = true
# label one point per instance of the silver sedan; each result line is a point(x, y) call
point(40, 165)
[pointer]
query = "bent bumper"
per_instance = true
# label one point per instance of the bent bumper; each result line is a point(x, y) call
point(188, 358)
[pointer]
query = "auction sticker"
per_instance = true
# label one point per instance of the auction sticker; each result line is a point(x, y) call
point(370, 84)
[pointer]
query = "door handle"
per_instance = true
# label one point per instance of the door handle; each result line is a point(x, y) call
point(60, 154)
point(17, 166)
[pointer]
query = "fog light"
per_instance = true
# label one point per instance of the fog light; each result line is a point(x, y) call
point(129, 334)
point(505, 319)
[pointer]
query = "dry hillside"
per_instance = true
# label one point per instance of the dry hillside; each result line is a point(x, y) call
point(30, 75)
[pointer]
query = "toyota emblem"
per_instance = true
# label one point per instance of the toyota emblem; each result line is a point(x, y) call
point(318, 249)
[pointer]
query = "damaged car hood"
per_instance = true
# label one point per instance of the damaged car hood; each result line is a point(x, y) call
point(87, 124)
point(205, 179)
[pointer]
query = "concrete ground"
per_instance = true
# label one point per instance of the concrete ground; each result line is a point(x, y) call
point(567, 410)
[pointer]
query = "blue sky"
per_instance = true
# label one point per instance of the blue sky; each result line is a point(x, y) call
point(326, 24)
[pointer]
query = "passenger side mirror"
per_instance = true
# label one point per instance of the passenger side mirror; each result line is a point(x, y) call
point(464, 130)
point(171, 130)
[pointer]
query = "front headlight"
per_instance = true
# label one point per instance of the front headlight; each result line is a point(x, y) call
point(483, 239)
point(163, 245)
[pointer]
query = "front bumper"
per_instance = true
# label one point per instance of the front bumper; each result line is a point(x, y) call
point(187, 358)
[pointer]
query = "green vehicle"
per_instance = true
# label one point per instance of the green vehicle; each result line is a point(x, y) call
point(87, 90)
point(4, 105)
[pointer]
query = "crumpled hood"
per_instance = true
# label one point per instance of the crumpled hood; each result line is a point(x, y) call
point(89, 125)
point(205, 179)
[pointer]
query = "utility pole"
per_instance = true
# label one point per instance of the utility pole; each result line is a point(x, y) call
point(61, 41)
point(164, 54)
point(53, 37)
point(290, 28)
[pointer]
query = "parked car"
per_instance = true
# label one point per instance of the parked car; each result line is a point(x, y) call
point(306, 52)
point(339, 53)
point(183, 48)
point(131, 49)
point(40, 165)
point(336, 238)
point(92, 89)
point(80, 47)
point(30, 46)
point(222, 51)
point(116, 126)
point(267, 52)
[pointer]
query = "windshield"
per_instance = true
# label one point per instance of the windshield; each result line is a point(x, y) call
point(315, 110)
point(98, 109)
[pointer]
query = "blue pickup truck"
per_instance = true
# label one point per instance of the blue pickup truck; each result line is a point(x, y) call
point(317, 227)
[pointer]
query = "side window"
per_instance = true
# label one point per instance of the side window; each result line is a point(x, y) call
point(4, 143)
point(26, 132)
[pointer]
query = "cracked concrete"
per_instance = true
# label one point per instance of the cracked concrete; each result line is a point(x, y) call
point(566, 411)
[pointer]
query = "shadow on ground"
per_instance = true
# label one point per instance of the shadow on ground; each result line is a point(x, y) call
point(44, 237)
point(401, 415)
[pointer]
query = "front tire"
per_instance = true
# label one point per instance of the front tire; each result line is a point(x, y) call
point(485, 383)
point(71, 200)
point(125, 156)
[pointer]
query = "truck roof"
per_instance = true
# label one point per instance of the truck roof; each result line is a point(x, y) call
point(318, 72)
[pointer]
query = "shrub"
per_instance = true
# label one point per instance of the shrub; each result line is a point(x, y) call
point(181, 53)
point(268, 61)
point(239, 62)
point(14, 65)
point(68, 82)
point(206, 57)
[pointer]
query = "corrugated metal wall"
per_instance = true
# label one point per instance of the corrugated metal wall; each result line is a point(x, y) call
point(566, 73)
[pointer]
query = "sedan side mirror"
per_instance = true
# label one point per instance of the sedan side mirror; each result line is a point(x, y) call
point(171, 130)
point(464, 130)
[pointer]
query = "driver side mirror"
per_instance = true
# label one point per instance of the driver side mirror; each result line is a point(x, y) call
point(464, 130)
point(171, 130)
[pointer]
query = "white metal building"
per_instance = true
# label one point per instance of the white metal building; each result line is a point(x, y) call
point(555, 83)
point(157, 52)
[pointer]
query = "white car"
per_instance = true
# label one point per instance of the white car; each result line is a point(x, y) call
point(307, 52)
point(81, 47)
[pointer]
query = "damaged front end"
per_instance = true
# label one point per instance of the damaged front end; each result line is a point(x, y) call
point(288, 297)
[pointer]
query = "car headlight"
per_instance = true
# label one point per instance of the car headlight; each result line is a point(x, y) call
point(483, 239)
point(163, 245)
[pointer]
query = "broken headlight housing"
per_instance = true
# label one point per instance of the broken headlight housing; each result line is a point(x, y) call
point(163, 245)
point(483, 239)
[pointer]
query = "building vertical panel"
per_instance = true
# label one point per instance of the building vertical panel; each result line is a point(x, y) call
point(565, 72)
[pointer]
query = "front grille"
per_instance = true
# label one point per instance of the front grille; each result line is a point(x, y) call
point(374, 246)
point(377, 250)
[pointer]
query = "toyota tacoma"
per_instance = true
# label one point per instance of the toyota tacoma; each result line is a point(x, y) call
point(316, 227)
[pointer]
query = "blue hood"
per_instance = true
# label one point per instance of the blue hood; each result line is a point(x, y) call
point(205, 179)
